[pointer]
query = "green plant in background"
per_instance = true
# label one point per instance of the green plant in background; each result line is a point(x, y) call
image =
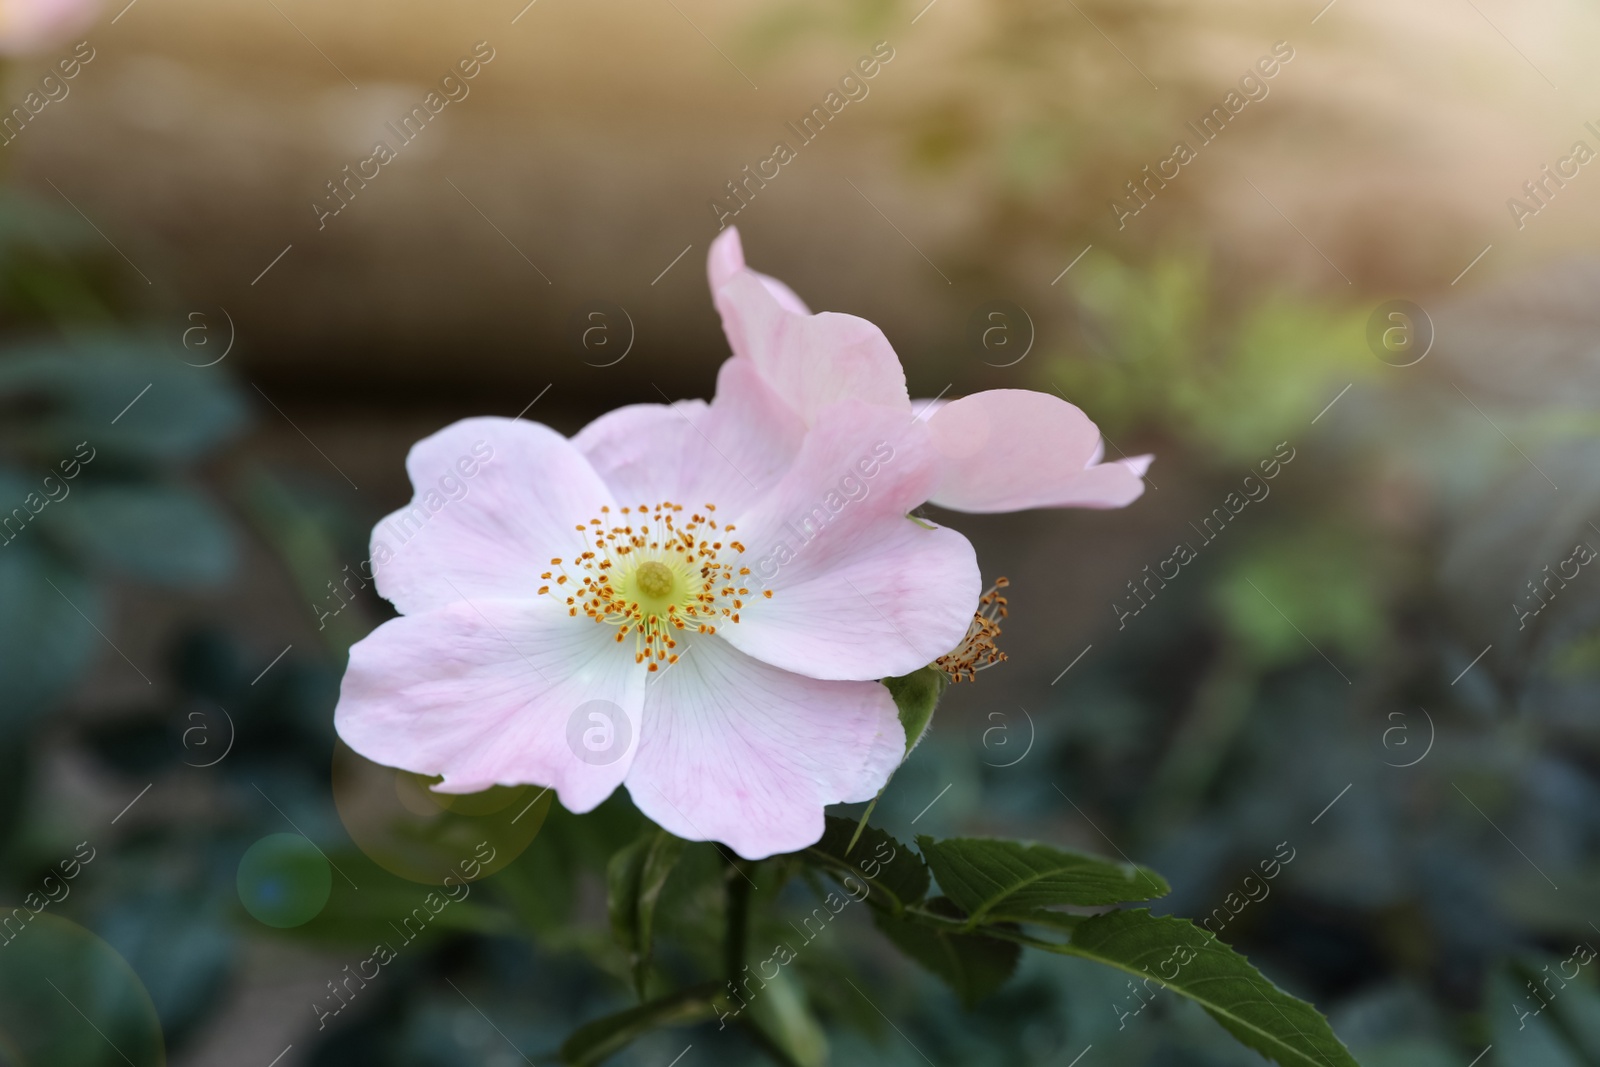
point(1354, 634)
point(103, 431)
point(1354, 631)
point(1159, 350)
point(100, 432)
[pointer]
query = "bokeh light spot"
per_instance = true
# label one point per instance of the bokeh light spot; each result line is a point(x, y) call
point(284, 881)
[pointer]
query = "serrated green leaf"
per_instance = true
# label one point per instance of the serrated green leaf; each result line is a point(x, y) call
point(893, 872)
point(1177, 955)
point(916, 695)
point(972, 964)
point(1055, 920)
point(634, 878)
point(984, 876)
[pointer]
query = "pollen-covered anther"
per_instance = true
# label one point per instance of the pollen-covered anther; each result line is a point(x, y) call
point(978, 650)
point(653, 575)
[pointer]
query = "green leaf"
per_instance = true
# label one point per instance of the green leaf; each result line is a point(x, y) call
point(592, 1042)
point(988, 878)
point(916, 695)
point(1055, 920)
point(163, 534)
point(1565, 1035)
point(972, 964)
point(635, 877)
point(893, 872)
point(1175, 954)
point(164, 411)
point(45, 644)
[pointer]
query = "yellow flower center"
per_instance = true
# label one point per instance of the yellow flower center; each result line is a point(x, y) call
point(652, 573)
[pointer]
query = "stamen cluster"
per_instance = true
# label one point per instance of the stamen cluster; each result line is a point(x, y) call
point(978, 650)
point(653, 573)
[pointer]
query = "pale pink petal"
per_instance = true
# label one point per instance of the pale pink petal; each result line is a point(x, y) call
point(1138, 464)
point(737, 751)
point(859, 589)
point(496, 692)
point(1010, 449)
point(495, 499)
point(727, 259)
point(809, 360)
point(639, 450)
point(786, 297)
point(726, 453)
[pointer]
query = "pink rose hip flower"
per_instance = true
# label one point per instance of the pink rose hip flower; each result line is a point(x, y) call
point(710, 591)
point(619, 571)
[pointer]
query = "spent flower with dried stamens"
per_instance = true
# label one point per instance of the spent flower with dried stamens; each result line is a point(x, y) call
point(978, 651)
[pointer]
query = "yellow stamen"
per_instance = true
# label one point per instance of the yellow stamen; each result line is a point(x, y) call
point(655, 577)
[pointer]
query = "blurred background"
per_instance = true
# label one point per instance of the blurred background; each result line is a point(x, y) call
point(1386, 669)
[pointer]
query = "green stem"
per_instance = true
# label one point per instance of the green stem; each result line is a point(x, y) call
point(840, 869)
point(739, 887)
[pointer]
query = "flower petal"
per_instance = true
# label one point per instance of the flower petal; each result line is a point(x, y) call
point(860, 590)
point(1010, 449)
point(725, 453)
point(488, 533)
point(1138, 464)
point(727, 259)
point(734, 750)
point(809, 360)
point(496, 692)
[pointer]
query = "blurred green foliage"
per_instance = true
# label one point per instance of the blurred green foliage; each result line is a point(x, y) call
point(1159, 350)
